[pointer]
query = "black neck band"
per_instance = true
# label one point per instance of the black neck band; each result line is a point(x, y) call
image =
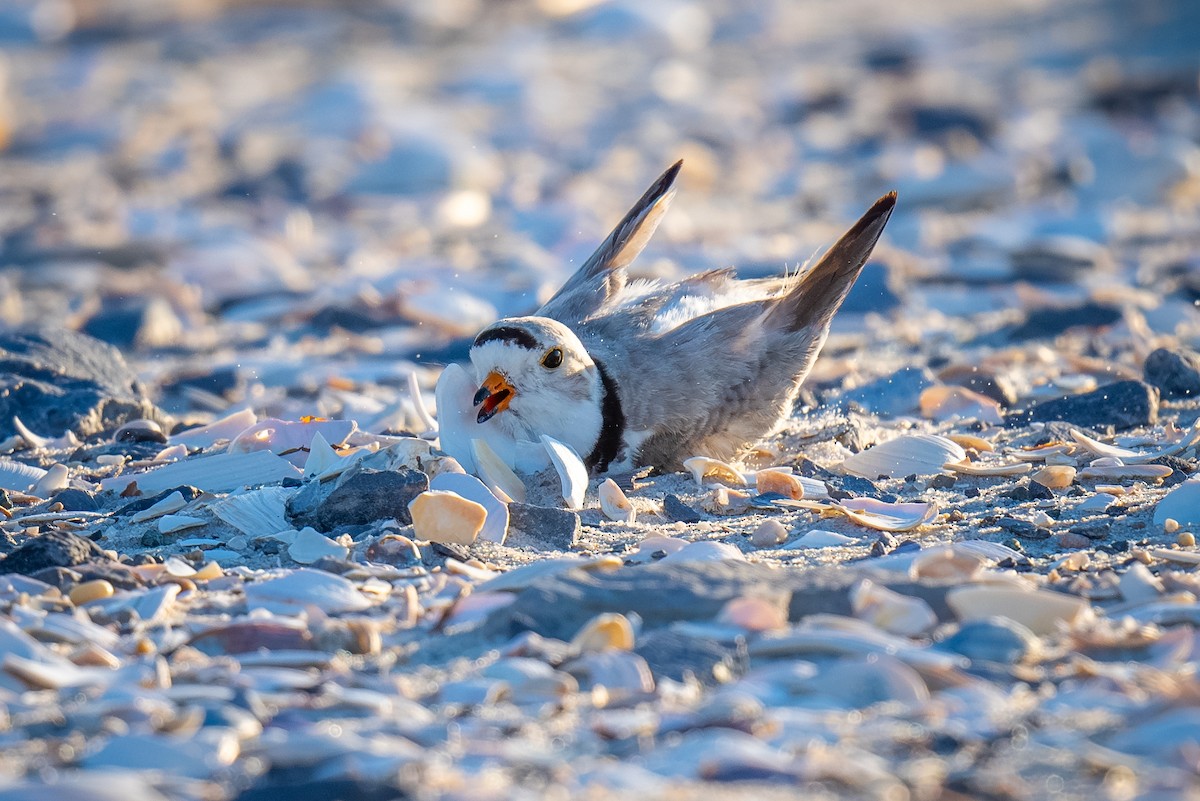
point(612, 426)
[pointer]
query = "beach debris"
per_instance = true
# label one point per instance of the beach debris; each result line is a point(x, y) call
point(572, 473)
point(891, 611)
point(495, 527)
point(920, 454)
point(1041, 611)
point(943, 403)
point(704, 469)
point(614, 504)
point(883, 516)
point(444, 516)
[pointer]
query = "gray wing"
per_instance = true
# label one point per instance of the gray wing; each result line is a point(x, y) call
point(603, 274)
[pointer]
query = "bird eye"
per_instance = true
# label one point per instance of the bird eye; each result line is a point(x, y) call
point(552, 359)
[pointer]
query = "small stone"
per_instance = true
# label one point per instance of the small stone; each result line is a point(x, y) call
point(394, 549)
point(542, 527)
point(943, 481)
point(370, 496)
point(1049, 322)
point(1069, 540)
point(1124, 404)
point(52, 549)
point(769, 534)
point(1170, 525)
point(1186, 539)
point(1175, 373)
point(76, 500)
point(678, 511)
point(94, 590)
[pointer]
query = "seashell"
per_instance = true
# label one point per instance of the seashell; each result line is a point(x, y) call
point(1043, 452)
point(18, 476)
point(883, 516)
point(769, 534)
point(172, 503)
point(453, 394)
point(1041, 611)
point(778, 481)
point(169, 454)
point(56, 478)
point(225, 428)
point(656, 547)
point(1181, 557)
point(972, 442)
point(298, 589)
point(1103, 469)
point(622, 674)
point(169, 524)
point(88, 591)
point(1181, 504)
point(1055, 476)
point(819, 538)
point(571, 471)
point(1127, 456)
point(1096, 503)
point(722, 500)
point(290, 439)
point(210, 571)
point(753, 614)
point(257, 512)
point(973, 469)
point(32, 440)
point(496, 473)
point(418, 400)
point(703, 467)
point(1137, 584)
point(604, 632)
point(947, 562)
point(219, 473)
point(495, 527)
point(922, 454)
point(705, 551)
point(444, 516)
point(174, 566)
point(891, 611)
point(943, 402)
point(309, 546)
point(614, 504)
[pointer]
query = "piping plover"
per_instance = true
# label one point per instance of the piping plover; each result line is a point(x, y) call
point(633, 373)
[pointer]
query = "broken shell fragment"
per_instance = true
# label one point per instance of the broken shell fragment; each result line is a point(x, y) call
point(496, 473)
point(703, 468)
point(495, 528)
point(1111, 469)
point(1042, 611)
point(953, 403)
point(780, 482)
point(88, 591)
point(1055, 476)
point(891, 611)
point(614, 504)
point(444, 516)
point(977, 444)
point(884, 516)
point(571, 471)
point(309, 545)
point(725, 501)
point(605, 632)
point(922, 454)
point(172, 503)
point(974, 469)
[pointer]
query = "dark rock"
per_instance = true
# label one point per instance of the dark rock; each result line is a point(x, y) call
point(1022, 528)
point(120, 576)
point(1059, 259)
point(674, 655)
point(189, 494)
point(680, 512)
point(369, 496)
point(52, 549)
point(62, 577)
point(1049, 322)
point(997, 639)
point(1176, 374)
point(1124, 404)
point(1093, 531)
point(1181, 469)
point(56, 380)
point(302, 505)
point(942, 481)
point(898, 393)
point(76, 500)
point(140, 431)
point(135, 322)
point(542, 527)
point(5, 500)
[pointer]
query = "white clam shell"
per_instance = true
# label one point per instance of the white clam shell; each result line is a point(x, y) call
point(495, 527)
point(227, 427)
point(702, 468)
point(571, 471)
point(1181, 504)
point(1042, 611)
point(883, 516)
point(820, 538)
point(444, 516)
point(891, 611)
point(309, 545)
point(220, 473)
point(614, 504)
point(256, 512)
point(922, 454)
point(496, 473)
point(298, 589)
point(18, 476)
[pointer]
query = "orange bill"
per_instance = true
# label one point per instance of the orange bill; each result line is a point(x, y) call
point(494, 396)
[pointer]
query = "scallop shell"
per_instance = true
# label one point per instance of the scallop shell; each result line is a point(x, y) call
point(1055, 476)
point(18, 476)
point(444, 516)
point(778, 481)
point(571, 471)
point(953, 403)
point(973, 469)
point(614, 504)
point(495, 527)
point(922, 454)
point(227, 427)
point(256, 512)
point(891, 611)
point(1041, 611)
point(883, 516)
point(496, 473)
point(1181, 504)
point(703, 467)
point(220, 473)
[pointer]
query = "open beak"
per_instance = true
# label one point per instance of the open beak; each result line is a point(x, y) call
point(494, 396)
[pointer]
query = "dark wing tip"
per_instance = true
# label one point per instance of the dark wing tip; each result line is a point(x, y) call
point(877, 215)
point(664, 182)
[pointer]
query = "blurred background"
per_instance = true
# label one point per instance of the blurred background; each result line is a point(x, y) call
point(294, 204)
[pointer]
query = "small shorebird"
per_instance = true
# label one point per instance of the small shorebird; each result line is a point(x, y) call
point(633, 373)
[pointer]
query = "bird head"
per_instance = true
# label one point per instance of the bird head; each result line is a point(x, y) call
point(536, 377)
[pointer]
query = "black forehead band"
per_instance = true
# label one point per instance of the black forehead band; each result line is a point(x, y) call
point(507, 333)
